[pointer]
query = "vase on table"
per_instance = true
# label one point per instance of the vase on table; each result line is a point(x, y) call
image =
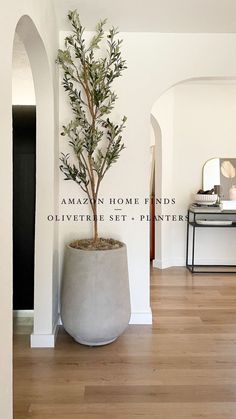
point(232, 193)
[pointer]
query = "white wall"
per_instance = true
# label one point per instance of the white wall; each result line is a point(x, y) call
point(204, 127)
point(43, 16)
point(155, 63)
point(22, 80)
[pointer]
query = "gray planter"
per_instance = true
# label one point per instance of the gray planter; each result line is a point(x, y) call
point(95, 299)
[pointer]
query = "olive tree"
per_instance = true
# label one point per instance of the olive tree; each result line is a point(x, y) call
point(90, 69)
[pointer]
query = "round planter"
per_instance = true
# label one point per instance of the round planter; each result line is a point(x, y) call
point(95, 298)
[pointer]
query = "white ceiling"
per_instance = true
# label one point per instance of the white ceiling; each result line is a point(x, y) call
point(153, 15)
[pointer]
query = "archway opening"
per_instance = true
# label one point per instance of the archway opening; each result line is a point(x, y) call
point(192, 122)
point(24, 184)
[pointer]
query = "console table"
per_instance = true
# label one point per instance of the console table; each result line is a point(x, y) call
point(194, 215)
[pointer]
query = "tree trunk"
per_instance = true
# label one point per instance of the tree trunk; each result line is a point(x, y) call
point(95, 222)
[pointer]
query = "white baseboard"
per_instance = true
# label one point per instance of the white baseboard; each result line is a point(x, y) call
point(168, 263)
point(44, 340)
point(162, 263)
point(23, 313)
point(37, 340)
point(141, 317)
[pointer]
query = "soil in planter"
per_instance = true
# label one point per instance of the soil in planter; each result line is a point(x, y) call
point(101, 244)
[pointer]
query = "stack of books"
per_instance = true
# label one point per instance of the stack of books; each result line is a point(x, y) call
point(205, 208)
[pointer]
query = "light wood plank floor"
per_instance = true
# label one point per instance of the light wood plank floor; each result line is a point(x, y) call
point(182, 367)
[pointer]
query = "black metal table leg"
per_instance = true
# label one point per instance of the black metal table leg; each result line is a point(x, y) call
point(187, 244)
point(193, 243)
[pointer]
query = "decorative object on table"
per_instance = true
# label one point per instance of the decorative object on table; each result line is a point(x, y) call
point(232, 193)
point(205, 197)
point(227, 169)
point(217, 191)
point(95, 300)
point(228, 176)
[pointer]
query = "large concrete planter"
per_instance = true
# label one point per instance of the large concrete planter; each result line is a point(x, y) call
point(95, 299)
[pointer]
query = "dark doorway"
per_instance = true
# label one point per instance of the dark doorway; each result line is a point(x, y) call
point(24, 180)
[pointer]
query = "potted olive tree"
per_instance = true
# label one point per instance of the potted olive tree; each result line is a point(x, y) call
point(95, 300)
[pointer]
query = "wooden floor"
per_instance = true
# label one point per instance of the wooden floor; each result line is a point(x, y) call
point(184, 366)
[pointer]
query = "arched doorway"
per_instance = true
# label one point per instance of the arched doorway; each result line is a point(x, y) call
point(157, 180)
point(45, 279)
point(182, 147)
point(24, 183)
